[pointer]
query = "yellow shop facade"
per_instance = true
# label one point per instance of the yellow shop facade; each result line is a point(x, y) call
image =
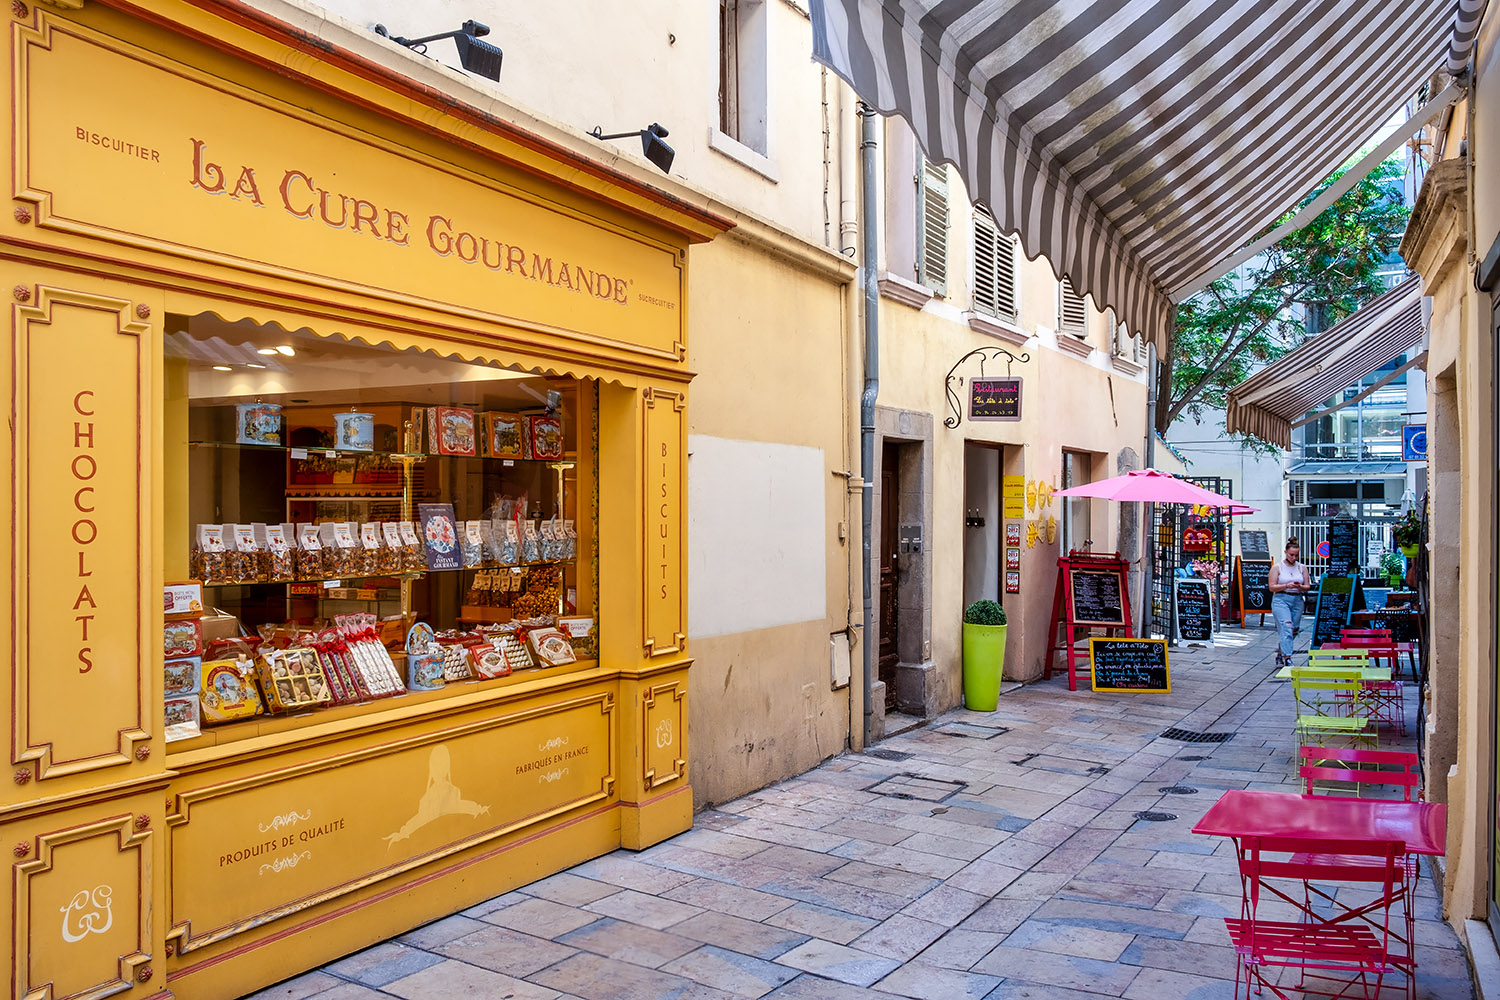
point(215, 215)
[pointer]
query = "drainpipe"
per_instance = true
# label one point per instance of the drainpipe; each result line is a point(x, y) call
point(1150, 509)
point(868, 250)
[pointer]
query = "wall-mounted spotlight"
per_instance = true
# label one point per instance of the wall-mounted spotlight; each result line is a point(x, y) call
point(476, 56)
point(652, 146)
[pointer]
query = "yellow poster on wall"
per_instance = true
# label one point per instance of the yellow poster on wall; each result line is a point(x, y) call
point(1013, 496)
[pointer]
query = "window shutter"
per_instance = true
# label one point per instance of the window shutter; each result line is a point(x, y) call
point(1072, 316)
point(994, 269)
point(932, 226)
point(1142, 355)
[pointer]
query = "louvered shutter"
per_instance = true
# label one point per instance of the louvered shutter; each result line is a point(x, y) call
point(1072, 316)
point(1142, 355)
point(932, 226)
point(994, 269)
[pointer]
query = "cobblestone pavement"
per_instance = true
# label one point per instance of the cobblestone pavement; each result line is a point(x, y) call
point(995, 855)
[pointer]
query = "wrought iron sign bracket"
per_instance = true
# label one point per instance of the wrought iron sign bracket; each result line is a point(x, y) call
point(954, 383)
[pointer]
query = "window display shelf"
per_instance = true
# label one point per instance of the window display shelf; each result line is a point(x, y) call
point(396, 576)
point(567, 461)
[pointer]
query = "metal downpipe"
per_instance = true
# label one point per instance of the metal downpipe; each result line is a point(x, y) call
point(868, 256)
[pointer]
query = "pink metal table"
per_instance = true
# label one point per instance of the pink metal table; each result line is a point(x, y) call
point(1421, 826)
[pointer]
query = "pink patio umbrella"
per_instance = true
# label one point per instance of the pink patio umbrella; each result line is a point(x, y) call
point(1150, 486)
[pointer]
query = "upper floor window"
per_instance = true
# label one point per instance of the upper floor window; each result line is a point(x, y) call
point(742, 72)
point(1072, 314)
point(994, 268)
point(932, 225)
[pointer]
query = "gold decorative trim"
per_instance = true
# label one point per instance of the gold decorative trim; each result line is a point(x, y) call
point(128, 898)
point(665, 734)
point(676, 641)
point(22, 214)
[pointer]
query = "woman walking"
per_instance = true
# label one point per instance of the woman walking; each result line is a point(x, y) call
point(1289, 581)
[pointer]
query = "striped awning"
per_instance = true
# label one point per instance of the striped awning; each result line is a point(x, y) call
point(1386, 327)
point(1137, 143)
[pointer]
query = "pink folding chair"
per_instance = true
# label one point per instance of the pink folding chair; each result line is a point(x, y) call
point(1388, 697)
point(1335, 957)
point(1391, 769)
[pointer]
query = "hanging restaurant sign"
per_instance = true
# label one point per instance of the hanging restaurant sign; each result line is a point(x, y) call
point(995, 399)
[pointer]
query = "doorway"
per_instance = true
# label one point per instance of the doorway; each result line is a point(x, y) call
point(983, 566)
point(890, 618)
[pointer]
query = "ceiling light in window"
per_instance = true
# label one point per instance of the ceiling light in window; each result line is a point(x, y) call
point(286, 350)
point(254, 366)
point(267, 350)
point(223, 368)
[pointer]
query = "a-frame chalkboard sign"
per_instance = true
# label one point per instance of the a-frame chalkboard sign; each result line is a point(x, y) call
point(1092, 595)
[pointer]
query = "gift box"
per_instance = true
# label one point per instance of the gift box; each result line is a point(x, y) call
point(182, 638)
point(551, 647)
point(228, 691)
point(182, 676)
point(503, 435)
point(487, 662)
point(293, 679)
point(182, 600)
point(181, 718)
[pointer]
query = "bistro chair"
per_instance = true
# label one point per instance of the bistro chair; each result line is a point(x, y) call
point(1331, 702)
point(1378, 642)
point(1336, 957)
point(1387, 697)
point(1389, 769)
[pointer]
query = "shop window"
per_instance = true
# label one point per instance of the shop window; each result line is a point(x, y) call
point(932, 227)
point(743, 99)
point(1072, 313)
point(328, 495)
point(994, 269)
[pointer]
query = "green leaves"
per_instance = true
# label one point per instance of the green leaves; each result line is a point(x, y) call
point(1316, 276)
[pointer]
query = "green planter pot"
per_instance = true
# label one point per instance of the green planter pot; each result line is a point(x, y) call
point(984, 659)
point(1409, 551)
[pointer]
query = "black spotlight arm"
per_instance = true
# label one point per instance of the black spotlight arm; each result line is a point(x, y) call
point(473, 28)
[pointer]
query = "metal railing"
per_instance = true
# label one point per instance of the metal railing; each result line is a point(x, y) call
point(1374, 541)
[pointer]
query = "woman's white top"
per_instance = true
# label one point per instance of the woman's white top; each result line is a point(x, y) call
point(1288, 573)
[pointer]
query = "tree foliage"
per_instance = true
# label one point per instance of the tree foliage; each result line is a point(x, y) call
point(1246, 319)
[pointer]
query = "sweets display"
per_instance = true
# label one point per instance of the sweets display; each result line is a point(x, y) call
point(229, 691)
point(293, 679)
point(258, 423)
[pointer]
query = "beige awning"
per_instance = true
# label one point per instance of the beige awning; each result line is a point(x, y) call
point(1268, 403)
point(1139, 144)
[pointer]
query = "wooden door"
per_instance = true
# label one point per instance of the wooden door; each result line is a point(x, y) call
point(889, 534)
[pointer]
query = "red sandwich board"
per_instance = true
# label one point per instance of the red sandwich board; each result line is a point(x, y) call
point(1092, 595)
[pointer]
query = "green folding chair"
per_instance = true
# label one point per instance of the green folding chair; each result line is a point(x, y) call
point(1331, 702)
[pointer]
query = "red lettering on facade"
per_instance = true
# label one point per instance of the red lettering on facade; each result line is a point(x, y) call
point(208, 176)
point(286, 193)
point(246, 186)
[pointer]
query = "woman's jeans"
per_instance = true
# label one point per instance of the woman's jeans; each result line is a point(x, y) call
point(1288, 611)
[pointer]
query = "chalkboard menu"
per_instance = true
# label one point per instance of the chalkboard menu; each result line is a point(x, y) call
point(1402, 624)
point(1096, 597)
point(1343, 545)
point(1195, 612)
point(1255, 545)
point(1255, 588)
point(1130, 665)
point(995, 399)
point(1331, 613)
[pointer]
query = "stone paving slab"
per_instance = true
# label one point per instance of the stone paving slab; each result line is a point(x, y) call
point(1004, 860)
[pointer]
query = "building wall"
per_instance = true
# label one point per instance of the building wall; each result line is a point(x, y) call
point(1455, 225)
point(1257, 477)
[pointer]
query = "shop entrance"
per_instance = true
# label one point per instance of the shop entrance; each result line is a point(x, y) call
point(985, 466)
point(890, 500)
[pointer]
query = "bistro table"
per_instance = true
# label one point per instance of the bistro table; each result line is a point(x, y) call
point(1421, 826)
point(1406, 649)
point(1367, 674)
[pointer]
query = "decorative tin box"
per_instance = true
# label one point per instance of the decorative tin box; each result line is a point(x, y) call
point(504, 434)
point(229, 691)
point(354, 431)
point(545, 437)
point(182, 676)
point(182, 638)
point(258, 423)
point(456, 432)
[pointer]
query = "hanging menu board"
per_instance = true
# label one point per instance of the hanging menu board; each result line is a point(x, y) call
point(1331, 612)
point(1194, 610)
point(1343, 545)
point(995, 399)
point(1097, 597)
point(1255, 545)
point(1138, 665)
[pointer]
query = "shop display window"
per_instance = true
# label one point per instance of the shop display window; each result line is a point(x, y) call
point(367, 524)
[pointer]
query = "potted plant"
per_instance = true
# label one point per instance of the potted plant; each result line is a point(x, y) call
point(984, 655)
point(1392, 566)
point(1407, 533)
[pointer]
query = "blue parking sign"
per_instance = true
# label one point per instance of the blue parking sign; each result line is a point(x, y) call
point(1414, 443)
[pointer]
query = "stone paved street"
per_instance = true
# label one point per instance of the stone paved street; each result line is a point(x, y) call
point(994, 855)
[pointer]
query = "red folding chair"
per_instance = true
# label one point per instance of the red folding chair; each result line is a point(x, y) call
point(1389, 769)
point(1389, 697)
point(1338, 958)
